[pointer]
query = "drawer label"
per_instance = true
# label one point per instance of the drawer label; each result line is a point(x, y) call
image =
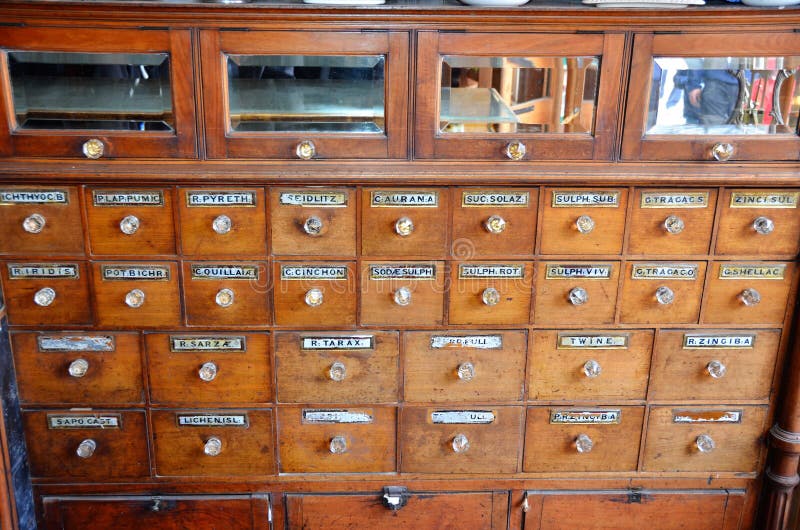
point(84, 421)
point(752, 272)
point(471, 199)
point(394, 199)
point(350, 342)
point(674, 199)
point(212, 420)
point(657, 271)
point(467, 271)
point(336, 416)
point(128, 198)
point(586, 417)
point(764, 199)
point(19, 271)
point(314, 198)
point(735, 341)
point(34, 197)
point(481, 342)
point(405, 272)
point(220, 198)
point(465, 417)
point(313, 272)
point(218, 343)
point(591, 271)
point(135, 272)
point(571, 341)
point(602, 199)
point(707, 416)
point(224, 272)
point(66, 343)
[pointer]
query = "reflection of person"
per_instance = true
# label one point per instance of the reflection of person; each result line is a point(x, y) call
point(714, 93)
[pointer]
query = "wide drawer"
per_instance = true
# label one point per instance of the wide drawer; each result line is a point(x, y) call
point(40, 220)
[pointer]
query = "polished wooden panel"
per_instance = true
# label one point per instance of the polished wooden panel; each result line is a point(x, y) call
point(552, 302)
point(250, 296)
point(432, 374)
point(304, 375)
point(379, 307)
point(723, 306)
point(736, 233)
point(242, 376)
point(466, 296)
point(340, 297)
point(305, 447)
point(639, 304)
point(63, 229)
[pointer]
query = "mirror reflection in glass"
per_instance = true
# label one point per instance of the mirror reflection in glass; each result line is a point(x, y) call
point(724, 95)
point(518, 94)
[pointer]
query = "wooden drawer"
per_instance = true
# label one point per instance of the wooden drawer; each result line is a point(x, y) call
point(205, 369)
point(748, 293)
point(583, 221)
point(404, 222)
point(78, 368)
point(341, 440)
point(582, 439)
point(478, 511)
point(315, 294)
point(130, 221)
point(490, 293)
point(313, 221)
point(226, 293)
point(213, 443)
point(40, 220)
point(714, 364)
point(661, 292)
point(402, 293)
point(580, 293)
point(137, 294)
point(461, 440)
point(222, 222)
point(759, 222)
point(671, 221)
point(113, 444)
point(589, 365)
point(494, 222)
point(731, 436)
point(46, 293)
point(463, 367)
point(358, 367)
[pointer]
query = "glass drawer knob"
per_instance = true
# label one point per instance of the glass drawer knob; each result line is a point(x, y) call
point(129, 225)
point(490, 296)
point(705, 444)
point(44, 297)
point(207, 372)
point(664, 295)
point(750, 297)
point(578, 296)
point(93, 148)
point(224, 298)
point(222, 224)
point(134, 298)
point(674, 224)
point(34, 223)
point(338, 445)
point(78, 368)
point(515, 150)
point(762, 225)
point(337, 371)
point(313, 226)
point(584, 224)
point(402, 296)
point(592, 368)
point(716, 369)
point(314, 297)
point(583, 443)
point(213, 446)
point(404, 227)
point(495, 224)
point(306, 150)
point(86, 448)
point(460, 443)
point(722, 152)
point(466, 371)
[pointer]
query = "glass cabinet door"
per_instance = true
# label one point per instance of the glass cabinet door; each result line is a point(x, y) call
point(517, 96)
point(714, 97)
point(96, 93)
point(305, 95)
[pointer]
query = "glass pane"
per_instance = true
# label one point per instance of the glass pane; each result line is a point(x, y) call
point(59, 90)
point(309, 94)
point(518, 94)
point(724, 95)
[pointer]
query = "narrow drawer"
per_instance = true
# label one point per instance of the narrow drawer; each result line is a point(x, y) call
point(491, 293)
point(40, 220)
point(229, 293)
point(340, 440)
point(580, 293)
point(402, 293)
point(46, 293)
point(137, 294)
point(759, 222)
point(583, 221)
point(748, 292)
point(464, 366)
point(662, 293)
point(315, 294)
point(337, 368)
point(313, 221)
point(78, 368)
point(582, 439)
point(671, 221)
